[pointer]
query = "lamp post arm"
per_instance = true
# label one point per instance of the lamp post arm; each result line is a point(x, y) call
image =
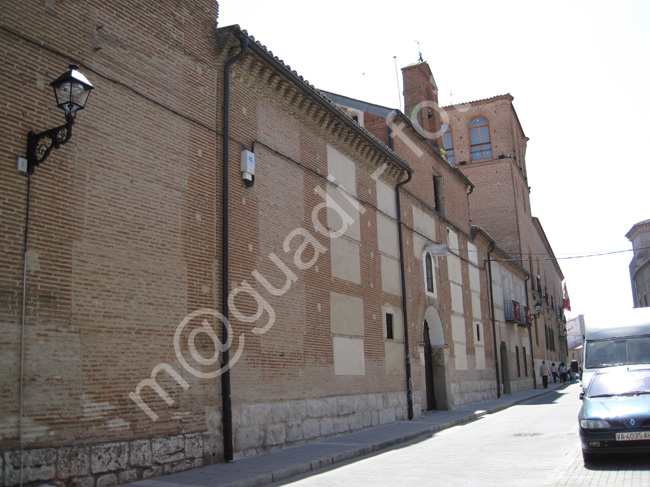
point(40, 145)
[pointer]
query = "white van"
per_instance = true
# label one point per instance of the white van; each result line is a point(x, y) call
point(622, 338)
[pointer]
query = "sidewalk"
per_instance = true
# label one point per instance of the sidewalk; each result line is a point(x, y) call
point(273, 467)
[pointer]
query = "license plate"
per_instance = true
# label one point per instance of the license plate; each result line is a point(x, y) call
point(634, 436)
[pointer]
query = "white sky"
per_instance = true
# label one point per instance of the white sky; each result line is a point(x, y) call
point(579, 72)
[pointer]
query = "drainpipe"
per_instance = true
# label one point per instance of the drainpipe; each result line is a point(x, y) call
point(407, 359)
point(494, 326)
point(22, 337)
point(226, 400)
point(530, 338)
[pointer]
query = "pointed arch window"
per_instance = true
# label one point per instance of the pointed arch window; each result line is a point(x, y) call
point(429, 275)
point(480, 139)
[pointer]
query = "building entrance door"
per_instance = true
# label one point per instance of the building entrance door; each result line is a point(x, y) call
point(428, 369)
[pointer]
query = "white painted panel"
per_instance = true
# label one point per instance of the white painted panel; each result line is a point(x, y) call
point(472, 253)
point(345, 259)
point(346, 314)
point(474, 279)
point(480, 357)
point(460, 356)
point(386, 199)
point(343, 170)
point(456, 297)
point(343, 213)
point(453, 262)
point(394, 352)
point(424, 223)
point(348, 356)
point(387, 236)
point(390, 276)
point(476, 306)
point(458, 329)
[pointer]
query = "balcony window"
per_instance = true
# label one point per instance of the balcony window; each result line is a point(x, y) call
point(512, 311)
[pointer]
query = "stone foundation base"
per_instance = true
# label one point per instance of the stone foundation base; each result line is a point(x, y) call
point(110, 464)
point(258, 428)
point(261, 428)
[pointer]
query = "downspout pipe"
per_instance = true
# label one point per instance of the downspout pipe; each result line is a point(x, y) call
point(494, 325)
point(407, 359)
point(226, 400)
point(23, 321)
point(530, 338)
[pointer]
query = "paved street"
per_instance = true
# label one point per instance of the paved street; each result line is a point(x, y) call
point(534, 444)
point(528, 438)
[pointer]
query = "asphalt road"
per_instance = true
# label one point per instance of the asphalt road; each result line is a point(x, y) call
point(534, 444)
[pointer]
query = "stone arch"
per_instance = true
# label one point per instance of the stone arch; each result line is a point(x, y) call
point(436, 335)
point(434, 362)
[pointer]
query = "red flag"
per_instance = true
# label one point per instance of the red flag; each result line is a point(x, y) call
point(566, 302)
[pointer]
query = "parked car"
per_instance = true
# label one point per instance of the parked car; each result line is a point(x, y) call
point(615, 412)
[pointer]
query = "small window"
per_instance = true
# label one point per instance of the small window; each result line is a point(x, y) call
point(525, 363)
point(389, 326)
point(429, 274)
point(478, 332)
point(438, 195)
point(447, 143)
point(479, 132)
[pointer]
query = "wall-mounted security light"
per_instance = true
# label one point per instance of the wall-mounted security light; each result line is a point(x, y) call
point(248, 167)
point(71, 90)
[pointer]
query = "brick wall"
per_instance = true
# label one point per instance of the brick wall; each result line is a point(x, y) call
point(124, 253)
point(125, 243)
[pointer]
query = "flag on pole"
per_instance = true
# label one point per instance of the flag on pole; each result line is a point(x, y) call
point(566, 302)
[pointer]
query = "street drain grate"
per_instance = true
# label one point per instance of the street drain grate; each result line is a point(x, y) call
point(528, 434)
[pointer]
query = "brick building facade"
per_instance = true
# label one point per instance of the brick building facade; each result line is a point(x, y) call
point(355, 289)
point(526, 318)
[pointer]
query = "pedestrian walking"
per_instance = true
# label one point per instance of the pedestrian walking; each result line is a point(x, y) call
point(544, 371)
point(562, 370)
point(554, 372)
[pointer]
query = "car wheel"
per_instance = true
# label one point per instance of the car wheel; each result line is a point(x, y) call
point(588, 457)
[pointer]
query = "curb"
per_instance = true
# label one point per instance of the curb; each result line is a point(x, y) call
point(288, 472)
point(270, 468)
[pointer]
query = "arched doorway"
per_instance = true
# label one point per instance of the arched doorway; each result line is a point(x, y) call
point(434, 362)
point(428, 370)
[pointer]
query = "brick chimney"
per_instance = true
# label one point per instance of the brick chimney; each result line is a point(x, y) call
point(421, 91)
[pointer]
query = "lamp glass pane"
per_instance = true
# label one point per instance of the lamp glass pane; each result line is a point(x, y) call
point(71, 96)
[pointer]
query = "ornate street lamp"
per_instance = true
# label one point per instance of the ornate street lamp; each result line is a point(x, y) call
point(71, 90)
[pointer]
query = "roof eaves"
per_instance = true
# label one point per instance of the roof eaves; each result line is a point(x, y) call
point(507, 96)
point(261, 50)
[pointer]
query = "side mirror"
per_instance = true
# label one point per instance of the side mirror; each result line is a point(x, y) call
point(582, 395)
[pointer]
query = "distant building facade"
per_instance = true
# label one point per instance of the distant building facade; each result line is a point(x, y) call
point(488, 144)
point(576, 337)
point(639, 235)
